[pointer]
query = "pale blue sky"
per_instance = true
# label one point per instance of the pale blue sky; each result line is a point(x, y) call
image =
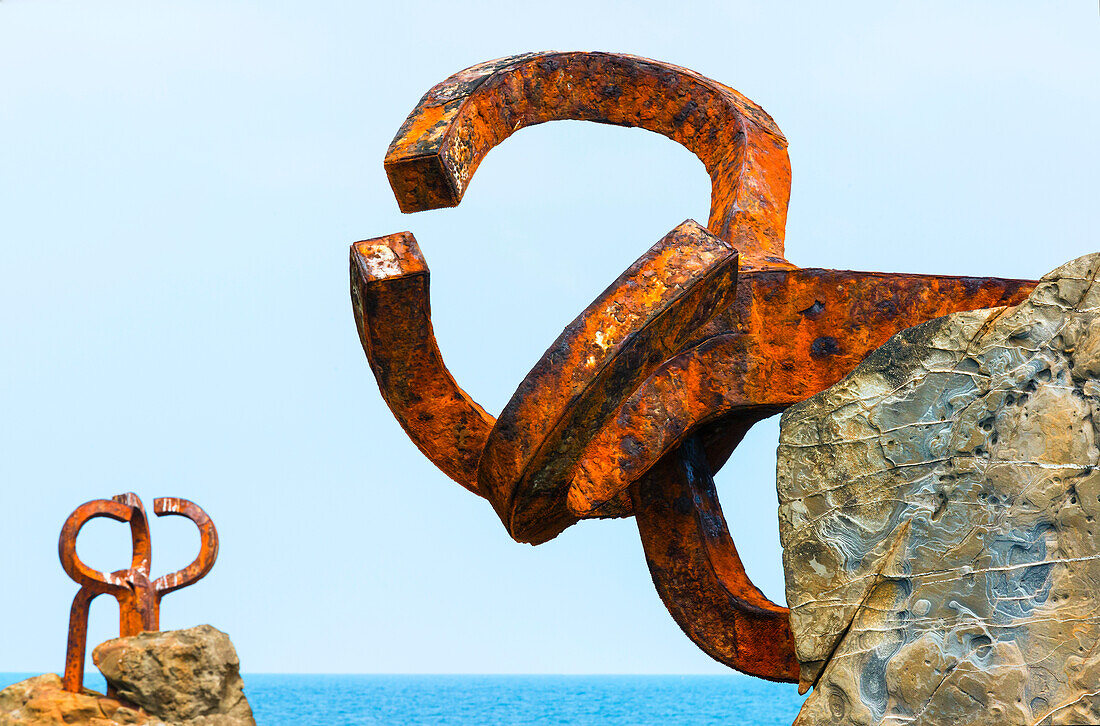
point(179, 184)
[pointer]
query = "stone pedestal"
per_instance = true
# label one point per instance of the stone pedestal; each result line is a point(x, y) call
point(175, 678)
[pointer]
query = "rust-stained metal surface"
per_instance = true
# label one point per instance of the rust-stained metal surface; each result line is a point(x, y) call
point(389, 293)
point(438, 148)
point(789, 335)
point(698, 573)
point(645, 316)
point(650, 389)
point(138, 596)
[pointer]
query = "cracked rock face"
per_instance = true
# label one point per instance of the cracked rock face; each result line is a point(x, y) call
point(187, 677)
point(938, 515)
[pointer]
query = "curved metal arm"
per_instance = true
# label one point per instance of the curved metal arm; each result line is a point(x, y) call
point(208, 545)
point(435, 153)
point(136, 610)
point(648, 314)
point(119, 584)
point(390, 300)
point(698, 574)
point(120, 510)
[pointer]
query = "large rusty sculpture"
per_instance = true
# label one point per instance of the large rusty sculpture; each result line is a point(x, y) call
point(649, 390)
point(138, 596)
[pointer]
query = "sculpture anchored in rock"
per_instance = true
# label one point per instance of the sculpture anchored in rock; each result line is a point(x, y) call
point(138, 596)
point(647, 392)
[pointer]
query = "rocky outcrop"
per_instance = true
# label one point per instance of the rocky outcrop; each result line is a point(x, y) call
point(183, 676)
point(938, 514)
point(40, 701)
point(174, 678)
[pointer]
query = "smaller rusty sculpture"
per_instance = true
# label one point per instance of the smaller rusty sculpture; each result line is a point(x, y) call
point(138, 596)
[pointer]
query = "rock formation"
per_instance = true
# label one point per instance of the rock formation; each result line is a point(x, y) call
point(182, 676)
point(174, 678)
point(938, 514)
point(40, 701)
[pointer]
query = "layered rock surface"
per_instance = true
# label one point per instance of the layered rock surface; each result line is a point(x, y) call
point(173, 678)
point(40, 701)
point(938, 516)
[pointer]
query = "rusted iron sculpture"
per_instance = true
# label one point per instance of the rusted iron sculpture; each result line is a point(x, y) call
point(649, 390)
point(138, 596)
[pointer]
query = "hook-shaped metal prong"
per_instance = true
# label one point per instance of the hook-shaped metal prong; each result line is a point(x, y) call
point(392, 307)
point(698, 573)
point(433, 157)
point(208, 545)
point(120, 511)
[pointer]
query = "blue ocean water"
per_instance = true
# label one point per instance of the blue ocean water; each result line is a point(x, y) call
point(454, 700)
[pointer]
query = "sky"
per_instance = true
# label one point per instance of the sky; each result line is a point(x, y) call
point(179, 185)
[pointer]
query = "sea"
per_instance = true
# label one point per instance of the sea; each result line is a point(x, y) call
point(454, 700)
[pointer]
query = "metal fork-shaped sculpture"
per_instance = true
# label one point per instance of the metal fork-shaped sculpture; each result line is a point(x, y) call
point(138, 596)
point(650, 389)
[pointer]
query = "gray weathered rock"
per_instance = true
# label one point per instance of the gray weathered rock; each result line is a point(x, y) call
point(182, 676)
point(938, 514)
